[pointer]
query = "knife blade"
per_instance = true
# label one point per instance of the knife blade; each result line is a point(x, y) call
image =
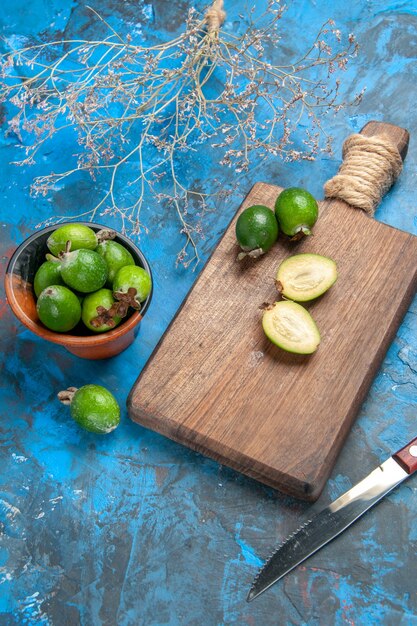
point(335, 518)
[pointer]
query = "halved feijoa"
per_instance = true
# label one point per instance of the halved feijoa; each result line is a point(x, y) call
point(303, 277)
point(290, 327)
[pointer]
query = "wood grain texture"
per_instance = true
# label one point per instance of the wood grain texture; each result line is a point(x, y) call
point(217, 385)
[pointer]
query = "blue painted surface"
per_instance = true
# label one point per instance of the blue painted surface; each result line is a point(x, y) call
point(132, 529)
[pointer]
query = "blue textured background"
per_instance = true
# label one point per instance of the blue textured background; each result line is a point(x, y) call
point(132, 529)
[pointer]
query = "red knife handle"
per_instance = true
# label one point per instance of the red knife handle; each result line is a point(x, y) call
point(407, 457)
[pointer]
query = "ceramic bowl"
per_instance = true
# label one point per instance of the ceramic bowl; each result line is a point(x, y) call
point(20, 295)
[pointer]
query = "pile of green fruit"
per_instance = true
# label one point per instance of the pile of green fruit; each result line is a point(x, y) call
point(87, 277)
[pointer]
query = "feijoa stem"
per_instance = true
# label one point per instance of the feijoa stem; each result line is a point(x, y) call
point(51, 257)
point(66, 396)
point(254, 254)
point(66, 251)
point(105, 233)
point(279, 286)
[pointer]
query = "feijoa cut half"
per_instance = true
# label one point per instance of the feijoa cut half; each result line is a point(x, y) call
point(303, 277)
point(290, 327)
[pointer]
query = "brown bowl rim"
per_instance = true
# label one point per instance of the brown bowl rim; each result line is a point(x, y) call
point(66, 338)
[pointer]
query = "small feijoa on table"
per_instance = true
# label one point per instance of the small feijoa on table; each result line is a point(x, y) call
point(303, 277)
point(70, 284)
point(93, 407)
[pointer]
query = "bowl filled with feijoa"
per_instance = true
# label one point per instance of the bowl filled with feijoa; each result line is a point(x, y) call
point(80, 285)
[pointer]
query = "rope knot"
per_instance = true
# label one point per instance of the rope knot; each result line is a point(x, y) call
point(215, 16)
point(370, 167)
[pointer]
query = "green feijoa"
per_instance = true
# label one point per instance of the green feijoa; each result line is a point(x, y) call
point(99, 311)
point(132, 284)
point(256, 231)
point(93, 407)
point(116, 256)
point(303, 277)
point(49, 273)
point(79, 235)
point(58, 308)
point(83, 270)
point(296, 211)
point(290, 327)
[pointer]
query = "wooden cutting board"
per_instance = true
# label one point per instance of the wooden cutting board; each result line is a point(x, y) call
point(217, 385)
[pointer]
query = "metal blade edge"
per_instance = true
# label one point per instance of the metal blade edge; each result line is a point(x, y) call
point(327, 524)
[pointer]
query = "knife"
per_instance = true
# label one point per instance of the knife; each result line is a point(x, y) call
point(335, 518)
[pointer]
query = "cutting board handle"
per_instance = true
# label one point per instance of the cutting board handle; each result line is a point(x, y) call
point(399, 137)
point(372, 161)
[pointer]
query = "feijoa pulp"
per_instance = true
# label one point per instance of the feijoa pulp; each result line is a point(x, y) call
point(303, 277)
point(290, 327)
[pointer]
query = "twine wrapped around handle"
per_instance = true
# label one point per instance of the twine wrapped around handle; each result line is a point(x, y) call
point(370, 166)
point(215, 16)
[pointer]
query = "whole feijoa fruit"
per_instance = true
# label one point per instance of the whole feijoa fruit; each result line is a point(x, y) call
point(256, 231)
point(83, 270)
point(100, 311)
point(79, 235)
point(49, 273)
point(115, 256)
point(58, 308)
point(132, 284)
point(296, 211)
point(93, 407)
